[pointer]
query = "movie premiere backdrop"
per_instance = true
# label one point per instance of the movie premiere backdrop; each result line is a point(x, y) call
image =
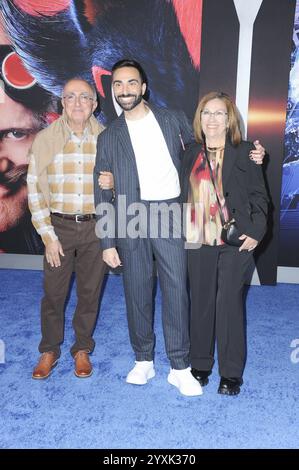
point(188, 48)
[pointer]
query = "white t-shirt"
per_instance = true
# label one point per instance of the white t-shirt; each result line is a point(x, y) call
point(158, 176)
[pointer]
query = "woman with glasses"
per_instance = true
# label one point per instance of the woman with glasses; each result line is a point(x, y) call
point(219, 182)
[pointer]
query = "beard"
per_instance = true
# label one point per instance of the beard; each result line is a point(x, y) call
point(13, 178)
point(13, 195)
point(130, 105)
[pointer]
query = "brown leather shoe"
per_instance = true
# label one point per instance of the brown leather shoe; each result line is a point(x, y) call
point(83, 367)
point(46, 363)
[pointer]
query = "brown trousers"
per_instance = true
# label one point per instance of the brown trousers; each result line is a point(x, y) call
point(83, 256)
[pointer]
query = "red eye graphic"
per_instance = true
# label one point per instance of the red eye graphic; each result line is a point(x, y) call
point(15, 74)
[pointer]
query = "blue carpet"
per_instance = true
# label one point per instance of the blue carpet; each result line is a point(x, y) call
point(106, 413)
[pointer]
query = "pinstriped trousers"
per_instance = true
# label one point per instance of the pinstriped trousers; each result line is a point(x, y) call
point(138, 277)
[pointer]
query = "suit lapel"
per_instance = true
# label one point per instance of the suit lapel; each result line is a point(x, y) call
point(124, 138)
point(125, 141)
point(166, 129)
point(230, 156)
point(192, 157)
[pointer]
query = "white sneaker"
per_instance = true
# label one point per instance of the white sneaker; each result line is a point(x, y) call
point(185, 382)
point(141, 373)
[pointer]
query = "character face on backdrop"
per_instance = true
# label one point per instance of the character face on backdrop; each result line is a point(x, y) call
point(127, 87)
point(18, 126)
point(22, 114)
point(59, 40)
point(20, 119)
point(104, 32)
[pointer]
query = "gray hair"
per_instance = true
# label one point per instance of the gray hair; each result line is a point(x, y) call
point(91, 86)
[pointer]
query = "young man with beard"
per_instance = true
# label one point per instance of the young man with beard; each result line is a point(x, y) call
point(142, 148)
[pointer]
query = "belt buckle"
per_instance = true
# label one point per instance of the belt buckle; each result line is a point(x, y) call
point(77, 218)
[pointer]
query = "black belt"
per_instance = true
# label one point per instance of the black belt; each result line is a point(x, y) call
point(75, 217)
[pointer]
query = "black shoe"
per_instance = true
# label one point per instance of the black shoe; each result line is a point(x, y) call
point(230, 386)
point(201, 376)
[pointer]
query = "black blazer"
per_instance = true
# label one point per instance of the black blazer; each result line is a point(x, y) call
point(115, 153)
point(243, 186)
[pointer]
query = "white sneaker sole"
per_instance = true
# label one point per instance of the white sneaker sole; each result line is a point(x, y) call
point(173, 381)
point(151, 374)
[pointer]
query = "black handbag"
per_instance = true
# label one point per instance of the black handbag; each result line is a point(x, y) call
point(230, 233)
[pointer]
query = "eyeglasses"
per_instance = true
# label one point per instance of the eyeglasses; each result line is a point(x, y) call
point(217, 114)
point(82, 98)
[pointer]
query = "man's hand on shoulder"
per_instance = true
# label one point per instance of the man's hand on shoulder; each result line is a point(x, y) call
point(257, 155)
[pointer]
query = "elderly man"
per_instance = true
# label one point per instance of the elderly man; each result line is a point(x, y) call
point(60, 188)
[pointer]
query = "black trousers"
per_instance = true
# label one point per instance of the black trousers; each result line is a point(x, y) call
point(83, 255)
point(217, 275)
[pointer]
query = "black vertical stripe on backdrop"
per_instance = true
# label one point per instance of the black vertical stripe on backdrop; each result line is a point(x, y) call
point(219, 47)
point(269, 84)
point(270, 67)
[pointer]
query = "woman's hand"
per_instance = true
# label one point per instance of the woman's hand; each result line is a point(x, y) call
point(248, 244)
point(106, 180)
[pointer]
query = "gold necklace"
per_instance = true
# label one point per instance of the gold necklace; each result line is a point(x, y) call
point(214, 149)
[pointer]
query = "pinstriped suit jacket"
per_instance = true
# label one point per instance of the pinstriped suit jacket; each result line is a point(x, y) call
point(115, 153)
